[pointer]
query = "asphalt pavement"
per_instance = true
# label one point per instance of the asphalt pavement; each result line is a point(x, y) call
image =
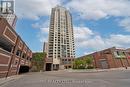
point(116, 78)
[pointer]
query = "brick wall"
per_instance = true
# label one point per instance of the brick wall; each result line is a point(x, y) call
point(10, 61)
point(108, 56)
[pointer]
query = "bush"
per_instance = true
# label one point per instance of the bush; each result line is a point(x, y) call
point(85, 63)
point(38, 61)
point(34, 69)
point(81, 67)
point(90, 67)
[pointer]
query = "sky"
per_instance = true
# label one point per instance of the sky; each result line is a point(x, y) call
point(98, 24)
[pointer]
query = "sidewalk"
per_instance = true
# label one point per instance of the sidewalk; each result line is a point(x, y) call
point(96, 70)
point(8, 79)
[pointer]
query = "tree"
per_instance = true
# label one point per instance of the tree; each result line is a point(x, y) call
point(79, 64)
point(39, 56)
point(89, 61)
point(38, 61)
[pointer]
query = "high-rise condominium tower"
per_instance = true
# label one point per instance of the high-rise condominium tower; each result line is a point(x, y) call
point(61, 50)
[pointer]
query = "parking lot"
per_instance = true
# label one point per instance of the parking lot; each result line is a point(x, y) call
point(116, 78)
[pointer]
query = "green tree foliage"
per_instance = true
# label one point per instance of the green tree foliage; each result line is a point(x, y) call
point(89, 62)
point(38, 61)
point(79, 64)
point(39, 56)
point(86, 62)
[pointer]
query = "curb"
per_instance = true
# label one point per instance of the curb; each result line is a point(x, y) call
point(100, 70)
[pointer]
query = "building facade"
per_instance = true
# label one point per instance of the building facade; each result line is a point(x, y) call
point(15, 56)
point(11, 19)
point(61, 40)
point(45, 47)
point(7, 11)
point(110, 58)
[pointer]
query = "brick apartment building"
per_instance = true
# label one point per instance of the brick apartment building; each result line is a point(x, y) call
point(110, 58)
point(15, 56)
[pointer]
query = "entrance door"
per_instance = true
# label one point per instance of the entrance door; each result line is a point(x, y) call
point(23, 69)
point(104, 64)
point(48, 66)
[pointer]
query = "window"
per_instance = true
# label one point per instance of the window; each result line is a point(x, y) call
point(117, 53)
point(5, 47)
point(69, 60)
point(16, 62)
point(18, 53)
point(123, 53)
point(24, 55)
point(28, 58)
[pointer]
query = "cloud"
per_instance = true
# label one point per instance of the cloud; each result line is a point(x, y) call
point(85, 38)
point(98, 9)
point(43, 35)
point(41, 24)
point(119, 40)
point(82, 33)
point(33, 9)
point(88, 40)
point(87, 9)
point(43, 27)
point(125, 23)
